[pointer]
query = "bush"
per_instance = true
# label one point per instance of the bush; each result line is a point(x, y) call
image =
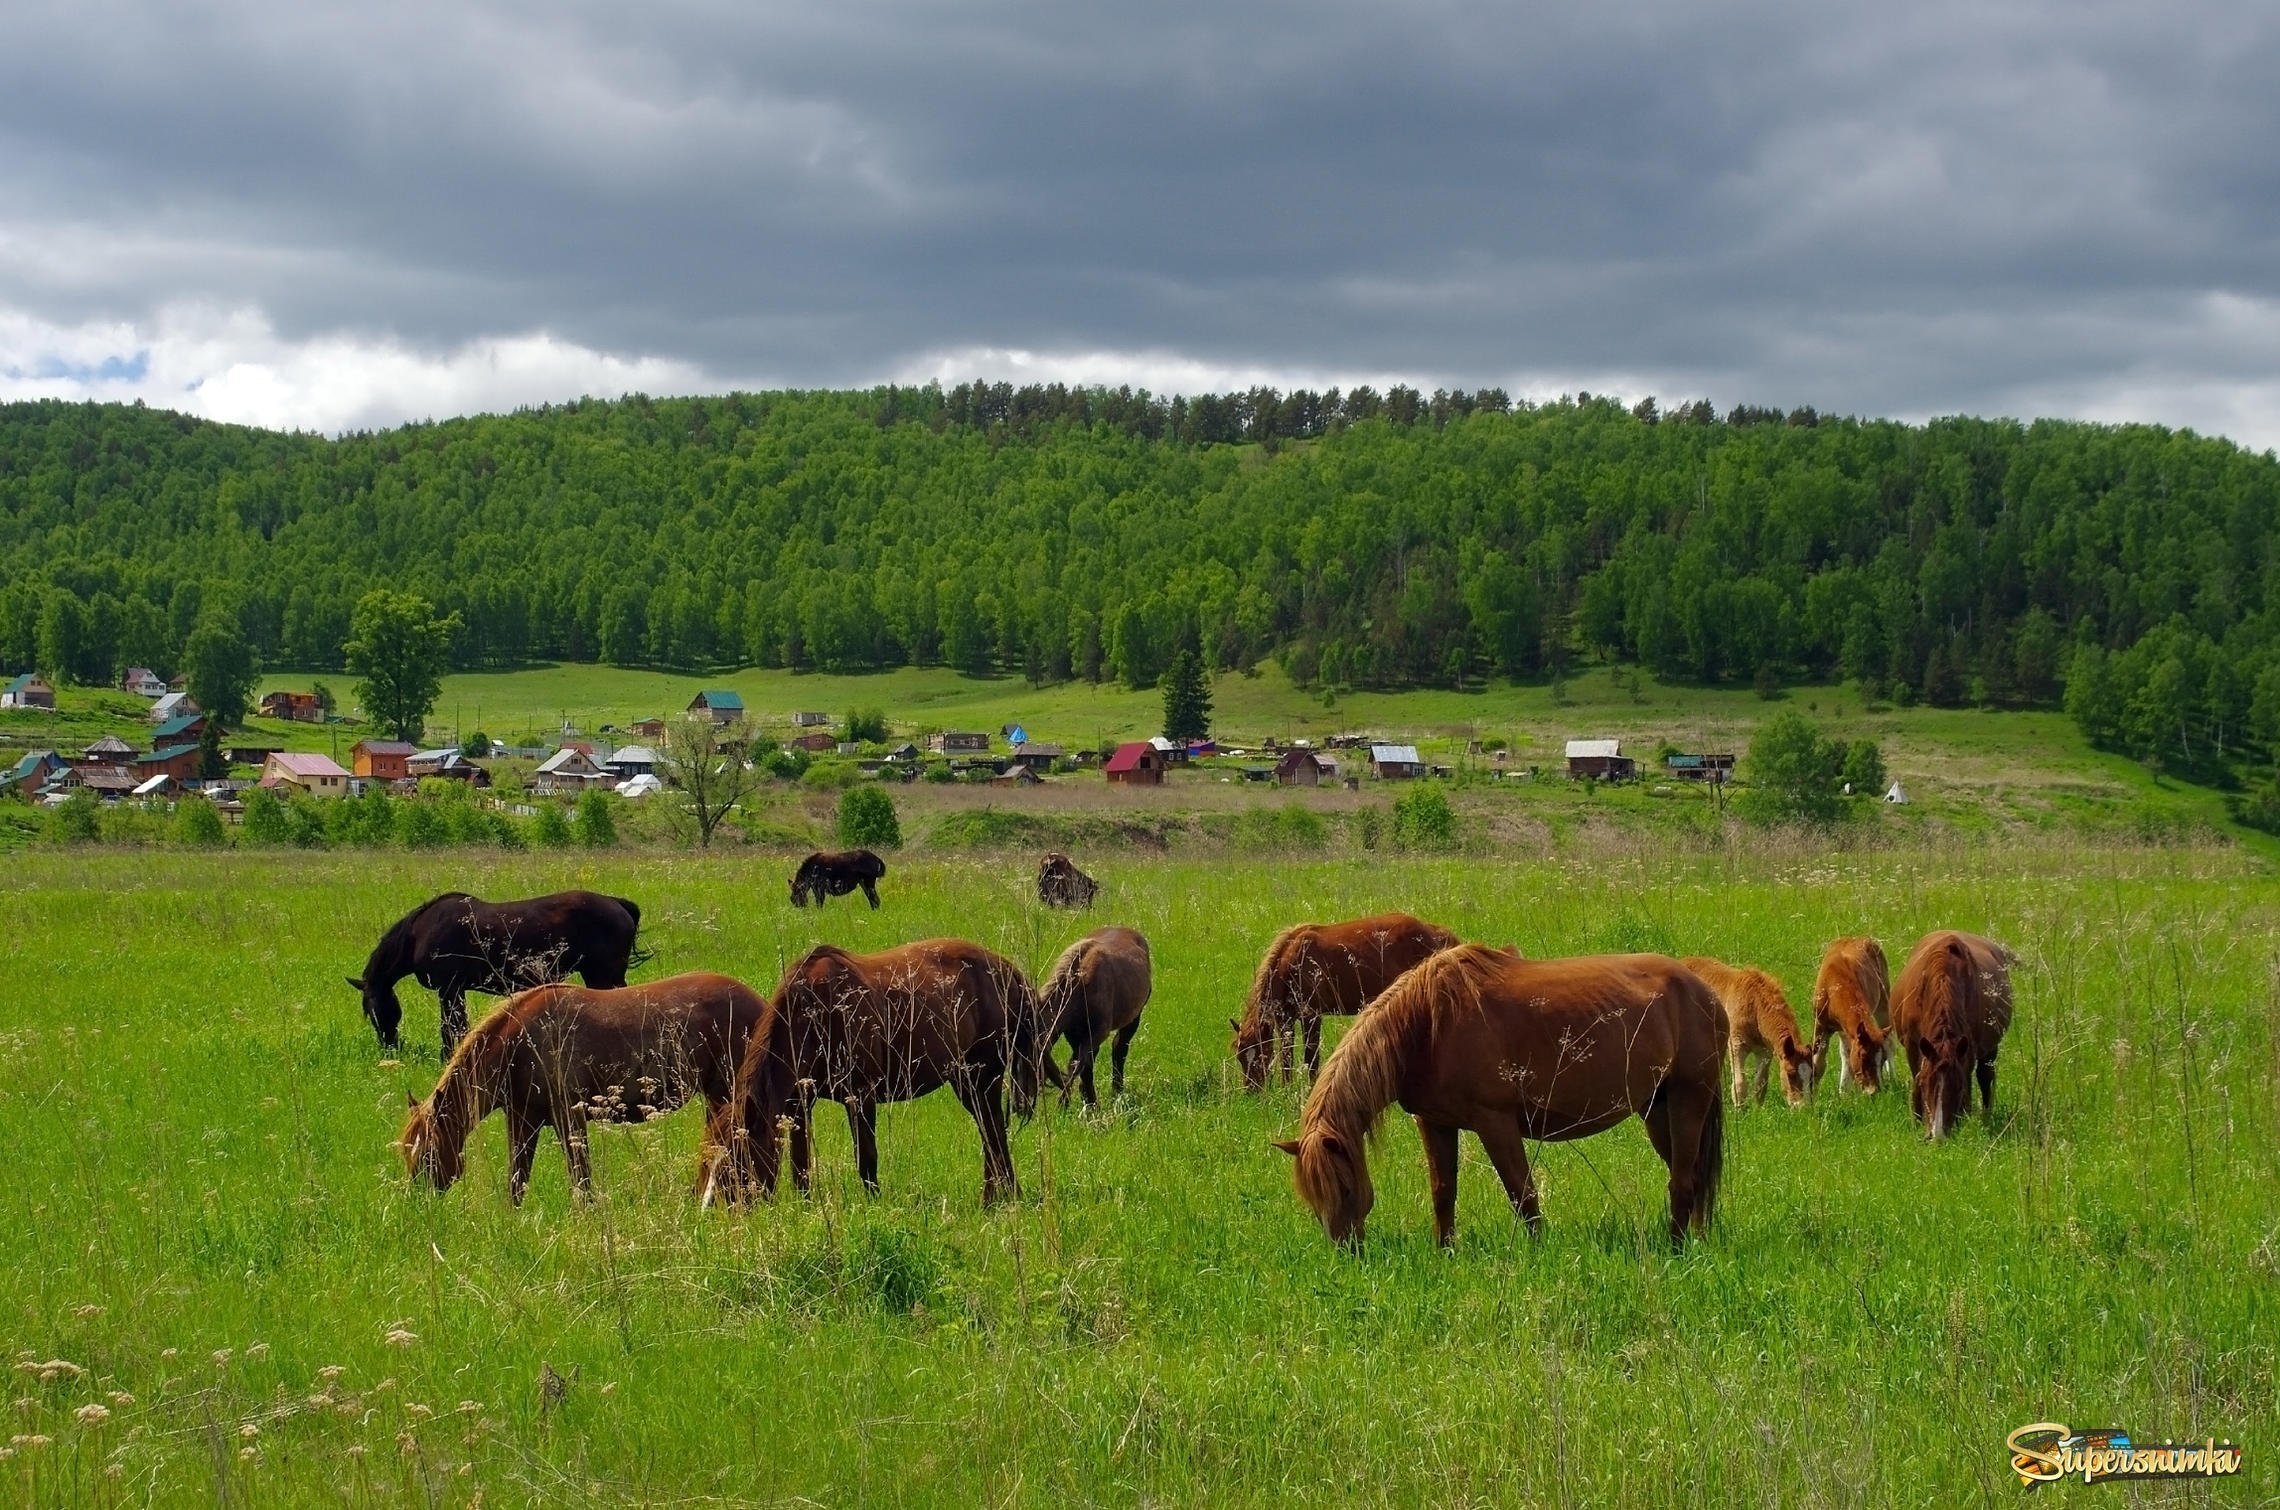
point(197, 824)
point(305, 822)
point(421, 826)
point(1369, 826)
point(2259, 806)
point(550, 829)
point(595, 825)
point(369, 820)
point(940, 773)
point(785, 765)
point(1292, 826)
point(265, 821)
point(867, 726)
point(1423, 819)
point(478, 745)
point(76, 820)
point(867, 819)
point(1864, 768)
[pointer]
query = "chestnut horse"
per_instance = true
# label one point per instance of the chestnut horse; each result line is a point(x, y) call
point(1852, 1002)
point(562, 1056)
point(1061, 884)
point(1950, 1010)
point(1759, 1025)
point(1098, 988)
point(1315, 969)
point(835, 875)
point(1516, 1049)
point(456, 943)
point(862, 1029)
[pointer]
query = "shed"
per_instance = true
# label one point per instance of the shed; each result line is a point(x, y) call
point(1712, 768)
point(1016, 774)
point(810, 720)
point(31, 690)
point(648, 728)
point(381, 759)
point(952, 742)
point(718, 703)
point(1599, 760)
point(318, 775)
point(906, 751)
point(1139, 763)
point(1300, 768)
point(1038, 757)
point(1396, 762)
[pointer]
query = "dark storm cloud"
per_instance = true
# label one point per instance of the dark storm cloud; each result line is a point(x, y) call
point(1913, 209)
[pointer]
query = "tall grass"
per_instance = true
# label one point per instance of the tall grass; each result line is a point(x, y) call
point(201, 1214)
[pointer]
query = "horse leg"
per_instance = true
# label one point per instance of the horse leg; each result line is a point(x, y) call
point(1441, 1170)
point(863, 1122)
point(570, 1129)
point(454, 1002)
point(1764, 1077)
point(1676, 1121)
point(1081, 1058)
point(1987, 1088)
point(803, 1146)
point(871, 893)
point(1116, 1052)
point(1508, 1152)
point(522, 1148)
point(983, 1094)
point(1736, 1056)
point(1285, 1046)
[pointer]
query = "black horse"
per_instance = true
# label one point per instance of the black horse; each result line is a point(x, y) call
point(821, 875)
point(1061, 884)
point(459, 943)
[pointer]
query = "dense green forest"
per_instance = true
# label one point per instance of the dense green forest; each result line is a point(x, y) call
point(1366, 539)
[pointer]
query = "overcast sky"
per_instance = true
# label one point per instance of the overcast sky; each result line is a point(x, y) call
point(330, 217)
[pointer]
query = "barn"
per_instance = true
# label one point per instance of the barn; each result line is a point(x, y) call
point(31, 690)
point(1136, 764)
point(719, 704)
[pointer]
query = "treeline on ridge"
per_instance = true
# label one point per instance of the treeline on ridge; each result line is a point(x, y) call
point(1365, 539)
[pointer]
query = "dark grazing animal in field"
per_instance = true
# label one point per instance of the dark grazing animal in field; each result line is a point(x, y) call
point(458, 943)
point(1950, 1009)
point(563, 1056)
point(835, 875)
point(1097, 989)
point(1852, 1002)
point(862, 1029)
point(1516, 1049)
point(1315, 969)
point(1061, 884)
point(1760, 1026)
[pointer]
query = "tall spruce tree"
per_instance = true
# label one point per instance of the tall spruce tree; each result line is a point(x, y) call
point(1187, 699)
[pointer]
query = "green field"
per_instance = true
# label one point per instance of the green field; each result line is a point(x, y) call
point(203, 1213)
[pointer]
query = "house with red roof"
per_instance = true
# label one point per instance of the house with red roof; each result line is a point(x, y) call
point(1136, 764)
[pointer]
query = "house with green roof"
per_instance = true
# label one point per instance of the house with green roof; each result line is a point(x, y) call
point(721, 705)
point(31, 690)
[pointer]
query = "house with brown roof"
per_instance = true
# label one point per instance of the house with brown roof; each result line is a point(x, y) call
point(317, 775)
point(380, 759)
point(1302, 768)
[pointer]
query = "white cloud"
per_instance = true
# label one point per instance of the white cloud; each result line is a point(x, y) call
point(231, 365)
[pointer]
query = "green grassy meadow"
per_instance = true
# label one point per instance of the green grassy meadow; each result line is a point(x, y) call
point(201, 1214)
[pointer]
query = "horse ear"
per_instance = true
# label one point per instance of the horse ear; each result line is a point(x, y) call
point(1287, 1145)
point(411, 1102)
point(1235, 1023)
point(354, 984)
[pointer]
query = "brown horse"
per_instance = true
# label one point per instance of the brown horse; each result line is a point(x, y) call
point(1759, 1025)
point(1516, 1049)
point(1061, 884)
point(862, 1029)
point(1315, 969)
point(1852, 1001)
point(1950, 1010)
point(562, 1056)
point(835, 875)
point(1098, 988)
point(456, 943)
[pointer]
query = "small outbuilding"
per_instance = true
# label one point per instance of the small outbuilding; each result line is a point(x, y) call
point(110, 750)
point(1396, 762)
point(1301, 768)
point(1139, 763)
point(810, 720)
point(1599, 760)
point(1717, 769)
point(957, 743)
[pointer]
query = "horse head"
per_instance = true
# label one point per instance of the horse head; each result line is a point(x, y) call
point(1334, 1179)
point(1943, 1082)
point(1797, 1070)
point(381, 1009)
point(1868, 1048)
point(1254, 1049)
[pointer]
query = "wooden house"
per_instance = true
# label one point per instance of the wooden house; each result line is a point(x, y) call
point(109, 750)
point(172, 706)
point(177, 761)
point(1599, 760)
point(186, 728)
point(1717, 769)
point(1300, 768)
point(380, 759)
point(317, 775)
point(818, 743)
point(293, 707)
point(1136, 764)
point(648, 728)
point(31, 690)
point(143, 682)
point(631, 761)
point(565, 773)
point(1396, 762)
point(719, 704)
point(1037, 757)
point(957, 743)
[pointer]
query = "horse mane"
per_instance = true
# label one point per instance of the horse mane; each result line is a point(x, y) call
point(1363, 1074)
point(1947, 989)
point(396, 942)
point(1771, 1003)
point(1271, 964)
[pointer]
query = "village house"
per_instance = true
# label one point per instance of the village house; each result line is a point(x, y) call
point(1037, 757)
point(718, 704)
point(565, 773)
point(31, 690)
point(108, 782)
point(1717, 769)
point(31, 772)
point(317, 775)
point(155, 788)
point(633, 760)
point(810, 720)
point(903, 753)
point(954, 743)
point(815, 744)
point(177, 761)
point(143, 682)
point(293, 707)
point(1599, 760)
point(1301, 768)
point(172, 706)
point(648, 728)
point(380, 759)
point(1015, 774)
point(1139, 763)
point(1396, 762)
point(449, 765)
point(187, 728)
point(109, 750)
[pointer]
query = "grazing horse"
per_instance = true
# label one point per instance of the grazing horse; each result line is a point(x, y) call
point(1950, 1009)
point(1315, 969)
point(1852, 1001)
point(457, 943)
point(862, 1029)
point(1759, 1025)
point(835, 875)
point(1061, 884)
point(1516, 1049)
point(562, 1056)
point(1098, 988)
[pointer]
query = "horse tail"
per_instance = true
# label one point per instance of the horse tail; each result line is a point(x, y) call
point(1028, 1035)
point(631, 910)
point(1710, 1157)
